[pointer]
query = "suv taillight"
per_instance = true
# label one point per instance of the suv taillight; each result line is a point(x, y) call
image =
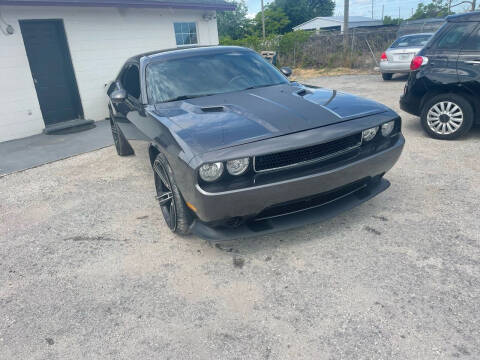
point(417, 62)
point(383, 57)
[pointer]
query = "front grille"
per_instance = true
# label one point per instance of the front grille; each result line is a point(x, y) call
point(306, 155)
point(312, 201)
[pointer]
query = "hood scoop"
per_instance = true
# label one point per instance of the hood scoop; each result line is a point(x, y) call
point(213, 109)
point(303, 92)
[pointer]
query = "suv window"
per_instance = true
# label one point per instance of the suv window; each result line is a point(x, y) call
point(473, 42)
point(455, 33)
point(131, 81)
point(411, 41)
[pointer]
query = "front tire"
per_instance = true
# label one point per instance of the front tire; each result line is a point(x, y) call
point(447, 116)
point(387, 76)
point(175, 212)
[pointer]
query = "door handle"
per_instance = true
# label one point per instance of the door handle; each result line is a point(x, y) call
point(473, 62)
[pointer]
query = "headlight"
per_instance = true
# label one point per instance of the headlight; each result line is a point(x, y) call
point(211, 172)
point(387, 128)
point(238, 166)
point(369, 134)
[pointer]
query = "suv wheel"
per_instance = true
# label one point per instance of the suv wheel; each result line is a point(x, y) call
point(447, 116)
point(174, 210)
point(387, 76)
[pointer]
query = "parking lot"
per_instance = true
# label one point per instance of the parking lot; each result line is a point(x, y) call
point(88, 269)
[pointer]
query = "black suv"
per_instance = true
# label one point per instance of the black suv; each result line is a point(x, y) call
point(444, 85)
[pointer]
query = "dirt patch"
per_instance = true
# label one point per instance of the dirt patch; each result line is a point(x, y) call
point(299, 73)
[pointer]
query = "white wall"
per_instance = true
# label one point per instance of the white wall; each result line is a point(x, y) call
point(100, 40)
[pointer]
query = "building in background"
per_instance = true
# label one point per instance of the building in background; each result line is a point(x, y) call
point(58, 55)
point(336, 23)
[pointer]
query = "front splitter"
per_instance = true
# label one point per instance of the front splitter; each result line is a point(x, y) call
point(290, 221)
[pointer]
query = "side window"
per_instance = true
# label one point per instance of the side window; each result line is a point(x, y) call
point(473, 42)
point(185, 33)
point(131, 81)
point(455, 34)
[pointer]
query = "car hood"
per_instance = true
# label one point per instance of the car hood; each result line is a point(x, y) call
point(219, 121)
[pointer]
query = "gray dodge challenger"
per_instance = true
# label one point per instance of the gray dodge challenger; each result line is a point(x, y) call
point(237, 149)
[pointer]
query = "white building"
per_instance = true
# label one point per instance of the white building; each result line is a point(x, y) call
point(336, 23)
point(57, 55)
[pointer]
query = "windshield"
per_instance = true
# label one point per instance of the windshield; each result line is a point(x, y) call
point(411, 41)
point(211, 74)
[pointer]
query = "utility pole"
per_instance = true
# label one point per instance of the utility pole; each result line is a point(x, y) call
point(383, 12)
point(263, 22)
point(472, 2)
point(399, 15)
point(345, 24)
point(372, 9)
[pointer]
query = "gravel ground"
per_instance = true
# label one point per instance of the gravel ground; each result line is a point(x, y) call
point(89, 270)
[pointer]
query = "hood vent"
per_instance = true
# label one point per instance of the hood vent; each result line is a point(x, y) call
point(303, 92)
point(211, 109)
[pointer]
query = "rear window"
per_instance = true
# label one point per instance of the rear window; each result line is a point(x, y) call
point(473, 42)
point(454, 35)
point(411, 41)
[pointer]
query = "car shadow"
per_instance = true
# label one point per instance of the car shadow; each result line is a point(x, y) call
point(414, 125)
point(400, 77)
point(363, 217)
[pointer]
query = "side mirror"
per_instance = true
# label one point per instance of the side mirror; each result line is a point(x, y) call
point(286, 71)
point(118, 96)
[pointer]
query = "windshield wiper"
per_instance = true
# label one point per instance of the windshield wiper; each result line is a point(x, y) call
point(186, 97)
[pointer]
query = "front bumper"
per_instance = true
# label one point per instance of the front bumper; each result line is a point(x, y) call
point(215, 207)
point(394, 67)
point(286, 222)
point(410, 104)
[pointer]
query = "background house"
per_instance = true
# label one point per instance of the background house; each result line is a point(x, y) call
point(336, 23)
point(57, 55)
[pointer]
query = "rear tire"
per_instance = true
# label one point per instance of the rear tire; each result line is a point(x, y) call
point(387, 76)
point(175, 212)
point(121, 143)
point(447, 116)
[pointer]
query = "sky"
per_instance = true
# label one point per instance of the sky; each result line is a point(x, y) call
point(364, 7)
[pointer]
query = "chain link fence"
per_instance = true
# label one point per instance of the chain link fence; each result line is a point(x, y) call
point(325, 49)
point(420, 26)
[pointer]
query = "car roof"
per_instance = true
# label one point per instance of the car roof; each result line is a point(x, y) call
point(470, 16)
point(186, 51)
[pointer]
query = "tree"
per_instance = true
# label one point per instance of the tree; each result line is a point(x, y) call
point(437, 8)
point(388, 20)
point(276, 22)
point(234, 24)
point(299, 11)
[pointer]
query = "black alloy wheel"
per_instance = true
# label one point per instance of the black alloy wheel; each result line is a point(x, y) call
point(165, 195)
point(175, 212)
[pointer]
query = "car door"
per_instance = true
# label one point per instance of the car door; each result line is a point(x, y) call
point(468, 65)
point(442, 57)
point(130, 111)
